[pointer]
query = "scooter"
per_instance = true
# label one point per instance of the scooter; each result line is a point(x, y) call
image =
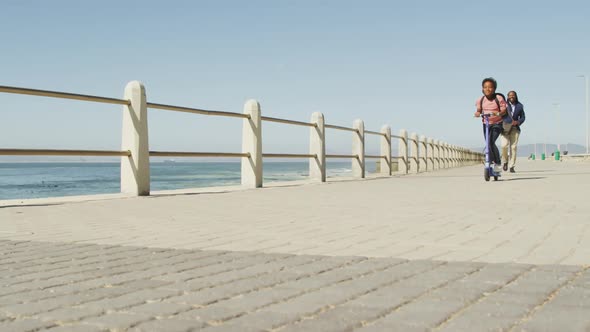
point(488, 170)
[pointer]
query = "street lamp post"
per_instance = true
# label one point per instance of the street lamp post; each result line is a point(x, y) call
point(586, 92)
point(558, 125)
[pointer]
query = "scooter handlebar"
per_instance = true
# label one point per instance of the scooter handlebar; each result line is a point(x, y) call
point(487, 115)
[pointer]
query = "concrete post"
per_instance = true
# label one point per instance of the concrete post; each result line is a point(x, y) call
point(445, 157)
point(252, 144)
point(449, 155)
point(463, 157)
point(358, 149)
point(422, 162)
point(436, 154)
point(402, 147)
point(317, 146)
point(386, 149)
point(430, 154)
point(415, 155)
point(135, 169)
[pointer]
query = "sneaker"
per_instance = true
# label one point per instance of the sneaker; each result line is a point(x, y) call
point(505, 167)
point(512, 170)
point(497, 169)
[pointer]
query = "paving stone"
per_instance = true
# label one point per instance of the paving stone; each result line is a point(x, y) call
point(28, 309)
point(68, 314)
point(478, 323)
point(210, 314)
point(76, 328)
point(130, 300)
point(572, 296)
point(263, 320)
point(159, 309)
point(557, 318)
point(25, 324)
point(147, 289)
point(342, 318)
point(117, 320)
point(423, 312)
point(380, 326)
point(167, 325)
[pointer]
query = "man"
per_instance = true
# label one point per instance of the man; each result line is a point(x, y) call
point(510, 137)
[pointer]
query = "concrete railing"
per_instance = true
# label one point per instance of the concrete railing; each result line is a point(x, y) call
point(416, 154)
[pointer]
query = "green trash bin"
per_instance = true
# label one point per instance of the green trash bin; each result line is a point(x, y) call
point(533, 156)
point(542, 156)
point(557, 155)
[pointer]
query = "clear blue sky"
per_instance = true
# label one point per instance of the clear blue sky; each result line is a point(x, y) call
point(416, 65)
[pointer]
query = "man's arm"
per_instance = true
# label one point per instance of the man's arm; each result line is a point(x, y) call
point(521, 118)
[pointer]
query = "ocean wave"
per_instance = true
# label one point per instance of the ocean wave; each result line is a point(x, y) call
point(33, 180)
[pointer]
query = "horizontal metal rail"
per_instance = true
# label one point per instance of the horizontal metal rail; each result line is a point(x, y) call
point(298, 123)
point(374, 133)
point(342, 156)
point(197, 110)
point(288, 155)
point(196, 154)
point(375, 157)
point(397, 136)
point(393, 157)
point(341, 128)
point(62, 95)
point(52, 152)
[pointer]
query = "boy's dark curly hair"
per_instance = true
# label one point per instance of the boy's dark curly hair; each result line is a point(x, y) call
point(491, 80)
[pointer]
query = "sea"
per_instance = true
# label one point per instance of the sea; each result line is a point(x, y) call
point(53, 179)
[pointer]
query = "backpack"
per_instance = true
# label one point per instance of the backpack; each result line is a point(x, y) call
point(506, 119)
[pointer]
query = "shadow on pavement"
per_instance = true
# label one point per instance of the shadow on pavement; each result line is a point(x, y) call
point(530, 178)
point(28, 205)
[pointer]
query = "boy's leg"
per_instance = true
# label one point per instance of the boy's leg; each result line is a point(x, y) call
point(504, 142)
point(514, 136)
point(489, 147)
point(495, 131)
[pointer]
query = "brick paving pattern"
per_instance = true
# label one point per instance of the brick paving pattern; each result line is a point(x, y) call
point(89, 287)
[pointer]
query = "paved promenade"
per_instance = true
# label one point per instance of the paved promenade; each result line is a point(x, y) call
point(441, 251)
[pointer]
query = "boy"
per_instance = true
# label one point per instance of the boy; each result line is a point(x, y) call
point(492, 103)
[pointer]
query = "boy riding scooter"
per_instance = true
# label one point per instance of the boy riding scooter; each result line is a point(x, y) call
point(494, 107)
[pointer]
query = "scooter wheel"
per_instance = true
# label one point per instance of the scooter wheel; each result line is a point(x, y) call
point(486, 174)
